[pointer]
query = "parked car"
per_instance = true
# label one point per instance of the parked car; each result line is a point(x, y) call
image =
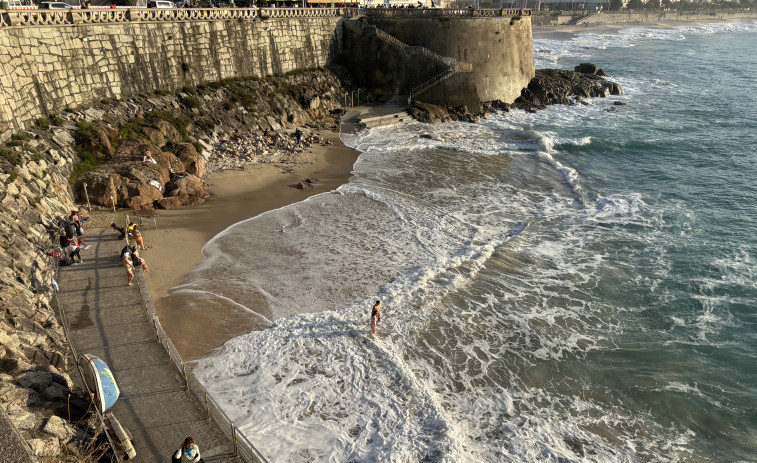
point(54, 6)
point(160, 4)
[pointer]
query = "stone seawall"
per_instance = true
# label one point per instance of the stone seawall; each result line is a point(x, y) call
point(48, 69)
point(499, 48)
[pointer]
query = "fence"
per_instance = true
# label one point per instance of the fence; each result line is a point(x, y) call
point(444, 12)
point(242, 446)
point(15, 18)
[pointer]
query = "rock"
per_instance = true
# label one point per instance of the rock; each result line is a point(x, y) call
point(190, 159)
point(189, 186)
point(302, 186)
point(170, 203)
point(58, 428)
point(60, 377)
point(138, 202)
point(22, 418)
point(19, 396)
point(35, 380)
point(45, 448)
point(95, 141)
point(555, 86)
point(56, 392)
point(588, 68)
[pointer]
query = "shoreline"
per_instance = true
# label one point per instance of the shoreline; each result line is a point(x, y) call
point(567, 32)
point(236, 195)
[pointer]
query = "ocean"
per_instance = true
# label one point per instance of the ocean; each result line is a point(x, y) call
point(575, 284)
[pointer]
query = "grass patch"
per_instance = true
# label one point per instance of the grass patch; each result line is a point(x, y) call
point(205, 124)
point(11, 177)
point(198, 146)
point(180, 123)
point(42, 122)
point(87, 163)
point(56, 119)
point(14, 143)
point(192, 102)
point(20, 137)
point(10, 156)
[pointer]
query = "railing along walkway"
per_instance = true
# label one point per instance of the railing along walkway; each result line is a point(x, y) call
point(107, 318)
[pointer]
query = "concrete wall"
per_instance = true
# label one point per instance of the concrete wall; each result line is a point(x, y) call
point(500, 48)
point(47, 69)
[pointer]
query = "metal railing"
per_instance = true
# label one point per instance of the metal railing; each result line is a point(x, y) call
point(54, 262)
point(445, 12)
point(242, 446)
point(26, 18)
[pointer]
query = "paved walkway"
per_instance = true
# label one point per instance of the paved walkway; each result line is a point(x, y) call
point(107, 319)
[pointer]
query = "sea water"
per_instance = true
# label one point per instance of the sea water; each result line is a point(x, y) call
point(576, 284)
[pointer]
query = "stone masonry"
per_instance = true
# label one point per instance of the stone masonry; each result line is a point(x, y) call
point(47, 69)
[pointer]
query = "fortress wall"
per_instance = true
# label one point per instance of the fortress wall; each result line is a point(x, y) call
point(48, 69)
point(500, 48)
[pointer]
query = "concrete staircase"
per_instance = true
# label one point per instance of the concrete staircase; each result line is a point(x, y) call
point(453, 66)
point(358, 118)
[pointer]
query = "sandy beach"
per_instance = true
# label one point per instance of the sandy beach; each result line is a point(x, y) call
point(175, 247)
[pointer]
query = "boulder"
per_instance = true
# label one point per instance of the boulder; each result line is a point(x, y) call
point(35, 380)
point(45, 448)
point(191, 160)
point(170, 203)
point(95, 141)
point(55, 392)
point(58, 428)
point(138, 203)
point(190, 185)
point(588, 68)
point(555, 86)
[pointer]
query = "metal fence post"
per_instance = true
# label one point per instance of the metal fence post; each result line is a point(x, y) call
point(86, 194)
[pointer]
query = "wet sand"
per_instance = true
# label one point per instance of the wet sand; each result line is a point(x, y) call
point(175, 247)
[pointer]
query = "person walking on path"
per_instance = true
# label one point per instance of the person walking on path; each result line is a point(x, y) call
point(375, 316)
point(126, 262)
point(135, 234)
point(188, 453)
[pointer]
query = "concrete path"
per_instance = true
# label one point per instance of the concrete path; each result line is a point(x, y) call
point(107, 319)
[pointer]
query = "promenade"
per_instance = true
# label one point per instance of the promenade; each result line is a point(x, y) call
point(107, 318)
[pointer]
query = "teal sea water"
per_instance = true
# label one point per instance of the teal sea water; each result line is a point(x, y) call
point(573, 285)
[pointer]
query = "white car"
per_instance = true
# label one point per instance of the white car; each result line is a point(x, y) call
point(160, 4)
point(54, 6)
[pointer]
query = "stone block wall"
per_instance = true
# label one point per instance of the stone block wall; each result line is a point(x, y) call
point(500, 48)
point(48, 69)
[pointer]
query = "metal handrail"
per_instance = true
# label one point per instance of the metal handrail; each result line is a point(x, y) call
point(67, 333)
point(242, 446)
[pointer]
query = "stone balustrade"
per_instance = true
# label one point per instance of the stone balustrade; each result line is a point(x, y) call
point(26, 18)
point(445, 12)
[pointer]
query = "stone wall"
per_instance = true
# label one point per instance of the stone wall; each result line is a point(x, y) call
point(50, 68)
point(500, 48)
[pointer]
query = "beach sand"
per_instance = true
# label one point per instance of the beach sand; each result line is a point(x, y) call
point(175, 247)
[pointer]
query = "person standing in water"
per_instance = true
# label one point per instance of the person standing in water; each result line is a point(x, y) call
point(375, 316)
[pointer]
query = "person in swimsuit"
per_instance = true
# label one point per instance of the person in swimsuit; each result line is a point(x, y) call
point(126, 262)
point(375, 316)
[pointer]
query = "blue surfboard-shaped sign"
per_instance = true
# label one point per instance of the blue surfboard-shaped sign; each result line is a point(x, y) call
point(100, 382)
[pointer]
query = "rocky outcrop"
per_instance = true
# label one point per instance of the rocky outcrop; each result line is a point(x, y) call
point(34, 358)
point(433, 114)
point(555, 86)
point(178, 130)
